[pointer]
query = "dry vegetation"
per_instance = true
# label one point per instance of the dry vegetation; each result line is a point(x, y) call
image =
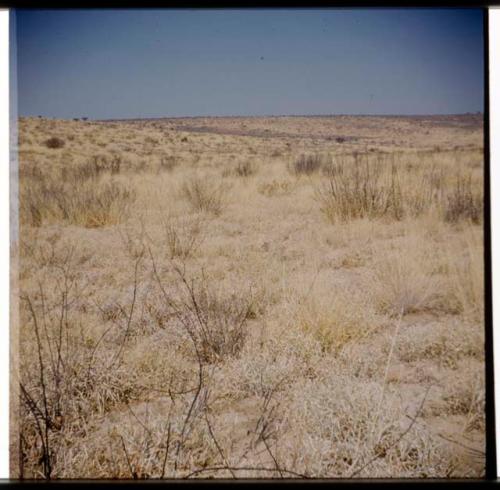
point(250, 298)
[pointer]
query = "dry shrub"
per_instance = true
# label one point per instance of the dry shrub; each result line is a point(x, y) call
point(89, 204)
point(137, 443)
point(276, 188)
point(167, 163)
point(54, 142)
point(205, 195)
point(397, 185)
point(214, 322)
point(30, 171)
point(246, 168)
point(402, 282)
point(273, 361)
point(95, 168)
point(426, 193)
point(63, 381)
point(464, 202)
point(336, 322)
point(219, 323)
point(183, 237)
point(444, 343)
point(134, 239)
point(468, 399)
point(340, 432)
point(365, 187)
point(307, 164)
point(445, 276)
point(52, 250)
point(463, 260)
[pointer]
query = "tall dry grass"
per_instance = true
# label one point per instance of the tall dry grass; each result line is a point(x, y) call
point(363, 187)
point(205, 195)
point(308, 164)
point(390, 186)
point(85, 195)
point(85, 204)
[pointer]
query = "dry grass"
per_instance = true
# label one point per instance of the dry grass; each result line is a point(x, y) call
point(183, 237)
point(464, 202)
point(85, 203)
point(364, 187)
point(381, 185)
point(206, 196)
point(307, 164)
point(463, 261)
point(246, 168)
point(402, 283)
point(167, 163)
point(167, 331)
point(276, 188)
point(341, 319)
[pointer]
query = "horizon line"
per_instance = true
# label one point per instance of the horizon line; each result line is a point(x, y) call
point(240, 116)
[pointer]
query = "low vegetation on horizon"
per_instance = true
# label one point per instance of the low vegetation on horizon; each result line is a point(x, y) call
point(294, 297)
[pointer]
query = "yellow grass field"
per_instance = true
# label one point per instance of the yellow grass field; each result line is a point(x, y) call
point(261, 297)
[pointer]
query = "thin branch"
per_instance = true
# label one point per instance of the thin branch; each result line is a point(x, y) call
point(217, 445)
point(129, 320)
point(132, 472)
point(166, 452)
point(244, 468)
point(46, 460)
point(264, 440)
point(138, 420)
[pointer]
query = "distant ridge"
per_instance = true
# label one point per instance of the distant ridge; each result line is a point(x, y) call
point(475, 115)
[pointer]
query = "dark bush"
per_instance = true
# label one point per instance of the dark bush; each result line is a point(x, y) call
point(463, 202)
point(307, 164)
point(54, 142)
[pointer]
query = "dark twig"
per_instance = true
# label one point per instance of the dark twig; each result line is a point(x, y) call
point(217, 445)
point(166, 452)
point(244, 468)
point(132, 472)
point(129, 319)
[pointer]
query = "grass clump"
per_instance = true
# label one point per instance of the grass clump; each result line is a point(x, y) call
point(214, 322)
point(402, 283)
point(307, 164)
point(276, 188)
point(336, 323)
point(93, 169)
point(183, 238)
point(464, 266)
point(362, 188)
point(204, 195)
point(86, 204)
point(246, 169)
point(167, 163)
point(219, 326)
point(463, 203)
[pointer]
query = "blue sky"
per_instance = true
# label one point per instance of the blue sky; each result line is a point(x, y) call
point(159, 63)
